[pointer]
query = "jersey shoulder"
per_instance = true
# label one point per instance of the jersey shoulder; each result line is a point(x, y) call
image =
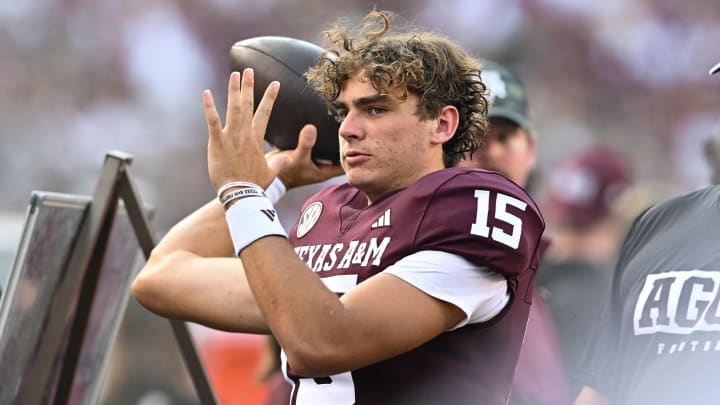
point(682, 209)
point(450, 181)
point(480, 215)
point(695, 214)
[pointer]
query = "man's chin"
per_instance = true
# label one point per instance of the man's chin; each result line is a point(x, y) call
point(356, 177)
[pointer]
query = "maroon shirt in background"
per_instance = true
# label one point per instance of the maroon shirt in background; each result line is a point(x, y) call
point(473, 213)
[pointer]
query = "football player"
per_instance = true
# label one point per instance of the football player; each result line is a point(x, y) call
point(410, 283)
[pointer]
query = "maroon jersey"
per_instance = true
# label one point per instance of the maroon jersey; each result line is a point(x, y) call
point(473, 213)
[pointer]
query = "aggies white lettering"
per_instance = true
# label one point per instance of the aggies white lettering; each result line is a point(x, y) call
point(331, 256)
point(678, 302)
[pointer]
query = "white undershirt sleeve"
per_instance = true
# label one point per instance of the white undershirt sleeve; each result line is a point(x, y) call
point(477, 291)
point(276, 190)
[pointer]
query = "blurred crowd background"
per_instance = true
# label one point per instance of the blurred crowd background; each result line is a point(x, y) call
point(80, 78)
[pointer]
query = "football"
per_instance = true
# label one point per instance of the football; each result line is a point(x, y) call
point(286, 59)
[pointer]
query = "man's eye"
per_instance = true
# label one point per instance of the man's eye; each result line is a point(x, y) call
point(376, 110)
point(504, 137)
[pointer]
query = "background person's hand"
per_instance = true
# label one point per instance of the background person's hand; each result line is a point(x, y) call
point(235, 152)
point(300, 169)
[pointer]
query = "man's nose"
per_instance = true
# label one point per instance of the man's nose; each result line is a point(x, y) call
point(351, 126)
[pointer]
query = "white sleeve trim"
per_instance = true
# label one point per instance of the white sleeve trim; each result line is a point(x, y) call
point(276, 190)
point(477, 291)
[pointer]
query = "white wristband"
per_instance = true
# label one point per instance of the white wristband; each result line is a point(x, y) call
point(276, 190)
point(250, 219)
point(240, 193)
point(230, 185)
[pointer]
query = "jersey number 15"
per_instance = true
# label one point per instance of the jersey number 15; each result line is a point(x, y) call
point(502, 201)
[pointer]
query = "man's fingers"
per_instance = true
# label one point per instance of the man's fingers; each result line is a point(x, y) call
point(234, 110)
point(246, 98)
point(262, 115)
point(211, 114)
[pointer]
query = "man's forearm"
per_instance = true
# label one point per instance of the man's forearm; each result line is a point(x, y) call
point(191, 275)
point(304, 315)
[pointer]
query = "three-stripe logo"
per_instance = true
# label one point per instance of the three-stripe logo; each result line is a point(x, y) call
point(271, 214)
point(383, 221)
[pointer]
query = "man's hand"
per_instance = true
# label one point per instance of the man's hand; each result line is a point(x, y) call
point(300, 170)
point(235, 152)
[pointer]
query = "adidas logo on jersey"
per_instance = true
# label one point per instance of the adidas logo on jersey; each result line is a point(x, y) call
point(383, 221)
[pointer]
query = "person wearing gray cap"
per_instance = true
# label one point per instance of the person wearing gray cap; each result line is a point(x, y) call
point(510, 149)
point(510, 146)
point(660, 341)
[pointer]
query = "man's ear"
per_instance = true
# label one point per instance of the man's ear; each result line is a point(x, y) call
point(446, 125)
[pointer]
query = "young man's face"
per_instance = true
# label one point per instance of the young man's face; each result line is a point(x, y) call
point(508, 149)
point(384, 145)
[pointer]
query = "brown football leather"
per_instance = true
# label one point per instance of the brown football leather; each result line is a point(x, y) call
point(286, 59)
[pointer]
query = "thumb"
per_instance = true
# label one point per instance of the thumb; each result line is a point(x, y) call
point(277, 162)
point(306, 141)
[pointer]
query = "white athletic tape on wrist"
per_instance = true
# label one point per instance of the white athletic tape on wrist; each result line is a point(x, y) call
point(276, 190)
point(250, 219)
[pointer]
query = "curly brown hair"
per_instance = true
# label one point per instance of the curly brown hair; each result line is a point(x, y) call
point(422, 63)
